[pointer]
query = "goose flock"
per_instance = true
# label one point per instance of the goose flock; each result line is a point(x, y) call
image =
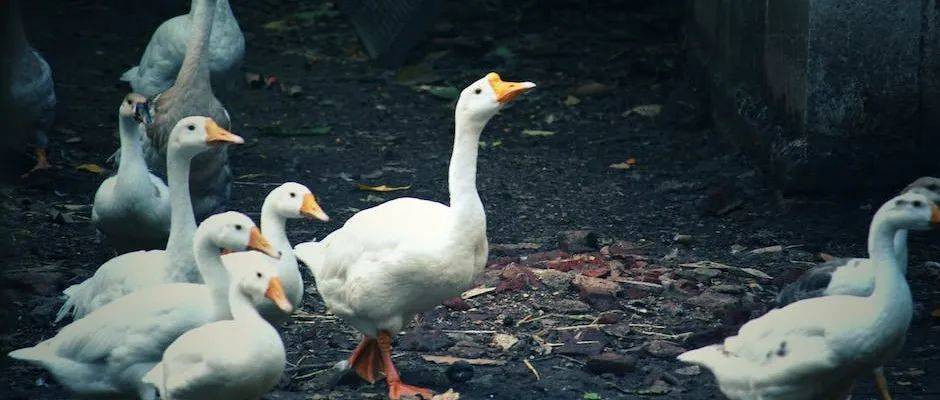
point(189, 311)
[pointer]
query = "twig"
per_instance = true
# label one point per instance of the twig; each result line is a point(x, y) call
point(314, 373)
point(681, 336)
point(647, 326)
point(572, 359)
point(468, 331)
point(532, 368)
point(575, 327)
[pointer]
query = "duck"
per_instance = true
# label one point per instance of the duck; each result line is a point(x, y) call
point(129, 272)
point(163, 57)
point(816, 348)
point(246, 364)
point(191, 94)
point(107, 353)
point(855, 276)
point(28, 100)
point(132, 208)
point(290, 200)
point(405, 256)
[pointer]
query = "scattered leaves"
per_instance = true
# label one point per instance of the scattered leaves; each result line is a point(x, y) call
point(450, 394)
point(630, 163)
point(572, 101)
point(536, 132)
point(93, 168)
point(381, 188)
point(591, 396)
point(450, 360)
point(646, 110)
point(469, 294)
point(503, 341)
point(756, 273)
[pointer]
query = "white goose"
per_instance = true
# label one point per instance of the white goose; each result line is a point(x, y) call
point(164, 55)
point(242, 358)
point(107, 353)
point(816, 348)
point(126, 273)
point(132, 208)
point(288, 201)
point(405, 256)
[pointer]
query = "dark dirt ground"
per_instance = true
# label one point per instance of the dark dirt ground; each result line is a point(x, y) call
point(687, 180)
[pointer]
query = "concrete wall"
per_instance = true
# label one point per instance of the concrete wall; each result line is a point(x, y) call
point(828, 95)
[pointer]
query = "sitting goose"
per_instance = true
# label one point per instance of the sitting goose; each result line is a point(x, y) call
point(405, 256)
point(107, 353)
point(855, 276)
point(130, 272)
point(164, 55)
point(245, 364)
point(210, 177)
point(816, 348)
point(27, 92)
point(132, 208)
point(288, 201)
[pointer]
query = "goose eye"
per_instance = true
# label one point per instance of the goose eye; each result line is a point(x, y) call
point(477, 91)
point(292, 194)
point(258, 274)
point(917, 203)
point(191, 127)
point(128, 102)
point(238, 227)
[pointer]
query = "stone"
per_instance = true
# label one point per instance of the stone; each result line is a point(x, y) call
point(580, 241)
point(620, 331)
point(610, 362)
point(714, 301)
point(588, 285)
point(554, 278)
point(663, 349)
point(565, 306)
point(699, 274)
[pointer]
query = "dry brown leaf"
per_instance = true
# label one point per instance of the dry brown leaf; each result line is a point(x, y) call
point(450, 360)
point(93, 168)
point(381, 188)
point(476, 292)
point(756, 273)
point(630, 163)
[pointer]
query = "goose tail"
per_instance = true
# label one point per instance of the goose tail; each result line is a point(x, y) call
point(35, 355)
point(71, 294)
point(129, 75)
point(311, 254)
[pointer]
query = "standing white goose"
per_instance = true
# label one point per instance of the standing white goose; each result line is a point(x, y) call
point(132, 208)
point(816, 348)
point(27, 92)
point(288, 201)
point(107, 353)
point(164, 54)
point(405, 256)
point(126, 273)
point(242, 358)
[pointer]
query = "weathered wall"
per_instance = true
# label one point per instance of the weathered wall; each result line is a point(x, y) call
point(830, 96)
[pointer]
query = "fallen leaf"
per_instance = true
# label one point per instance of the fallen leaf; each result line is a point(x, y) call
point(93, 168)
point(476, 292)
point(250, 176)
point(450, 360)
point(416, 75)
point(646, 110)
point(503, 341)
point(572, 101)
point(294, 90)
point(630, 163)
point(706, 264)
point(381, 188)
point(591, 396)
point(756, 273)
point(450, 394)
point(253, 80)
point(73, 140)
point(536, 132)
point(591, 89)
point(769, 249)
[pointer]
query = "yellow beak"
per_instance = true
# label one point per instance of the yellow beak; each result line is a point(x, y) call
point(934, 214)
point(311, 209)
point(506, 91)
point(275, 292)
point(215, 134)
point(260, 243)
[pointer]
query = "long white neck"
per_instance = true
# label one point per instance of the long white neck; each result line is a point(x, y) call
point(462, 177)
point(273, 226)
point(242, 308)
point(890, 284)
point(132, 171)
point(195, 69)
point(209, 261)
point(900, 249)
point(182, 219)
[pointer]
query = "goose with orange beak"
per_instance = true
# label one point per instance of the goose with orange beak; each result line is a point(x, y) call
point(406, 256)
point(133, 271)
point(108, 352)
point(288, 201)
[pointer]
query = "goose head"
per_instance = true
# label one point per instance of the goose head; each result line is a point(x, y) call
point(134, 106)
point(193, 135)
point(927, 186)
point(910, 210)
point(234, 231)
point(482, 99)
point(260, 283)
point(293, 200)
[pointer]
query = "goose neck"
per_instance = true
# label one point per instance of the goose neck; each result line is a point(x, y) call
point(194, 73)
point(274, 226)
point(182, 217)
point(890, 283)
point(132, 163)
point(462, 173)
point(209, 261)
point(242, 308)
point(900, 249)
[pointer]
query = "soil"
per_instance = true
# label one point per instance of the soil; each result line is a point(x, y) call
point(686, 197)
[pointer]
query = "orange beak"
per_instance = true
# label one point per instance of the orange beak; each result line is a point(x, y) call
point(260, 243)
point(275, 292)
point(311, 209)
point(215, 134)
point(934, 214)
point(506, 91)
point(227, 251)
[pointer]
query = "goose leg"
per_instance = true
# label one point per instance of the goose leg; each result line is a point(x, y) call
point(42, 162)
point(396, 388)
point(882, 384)
point(366, 360)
